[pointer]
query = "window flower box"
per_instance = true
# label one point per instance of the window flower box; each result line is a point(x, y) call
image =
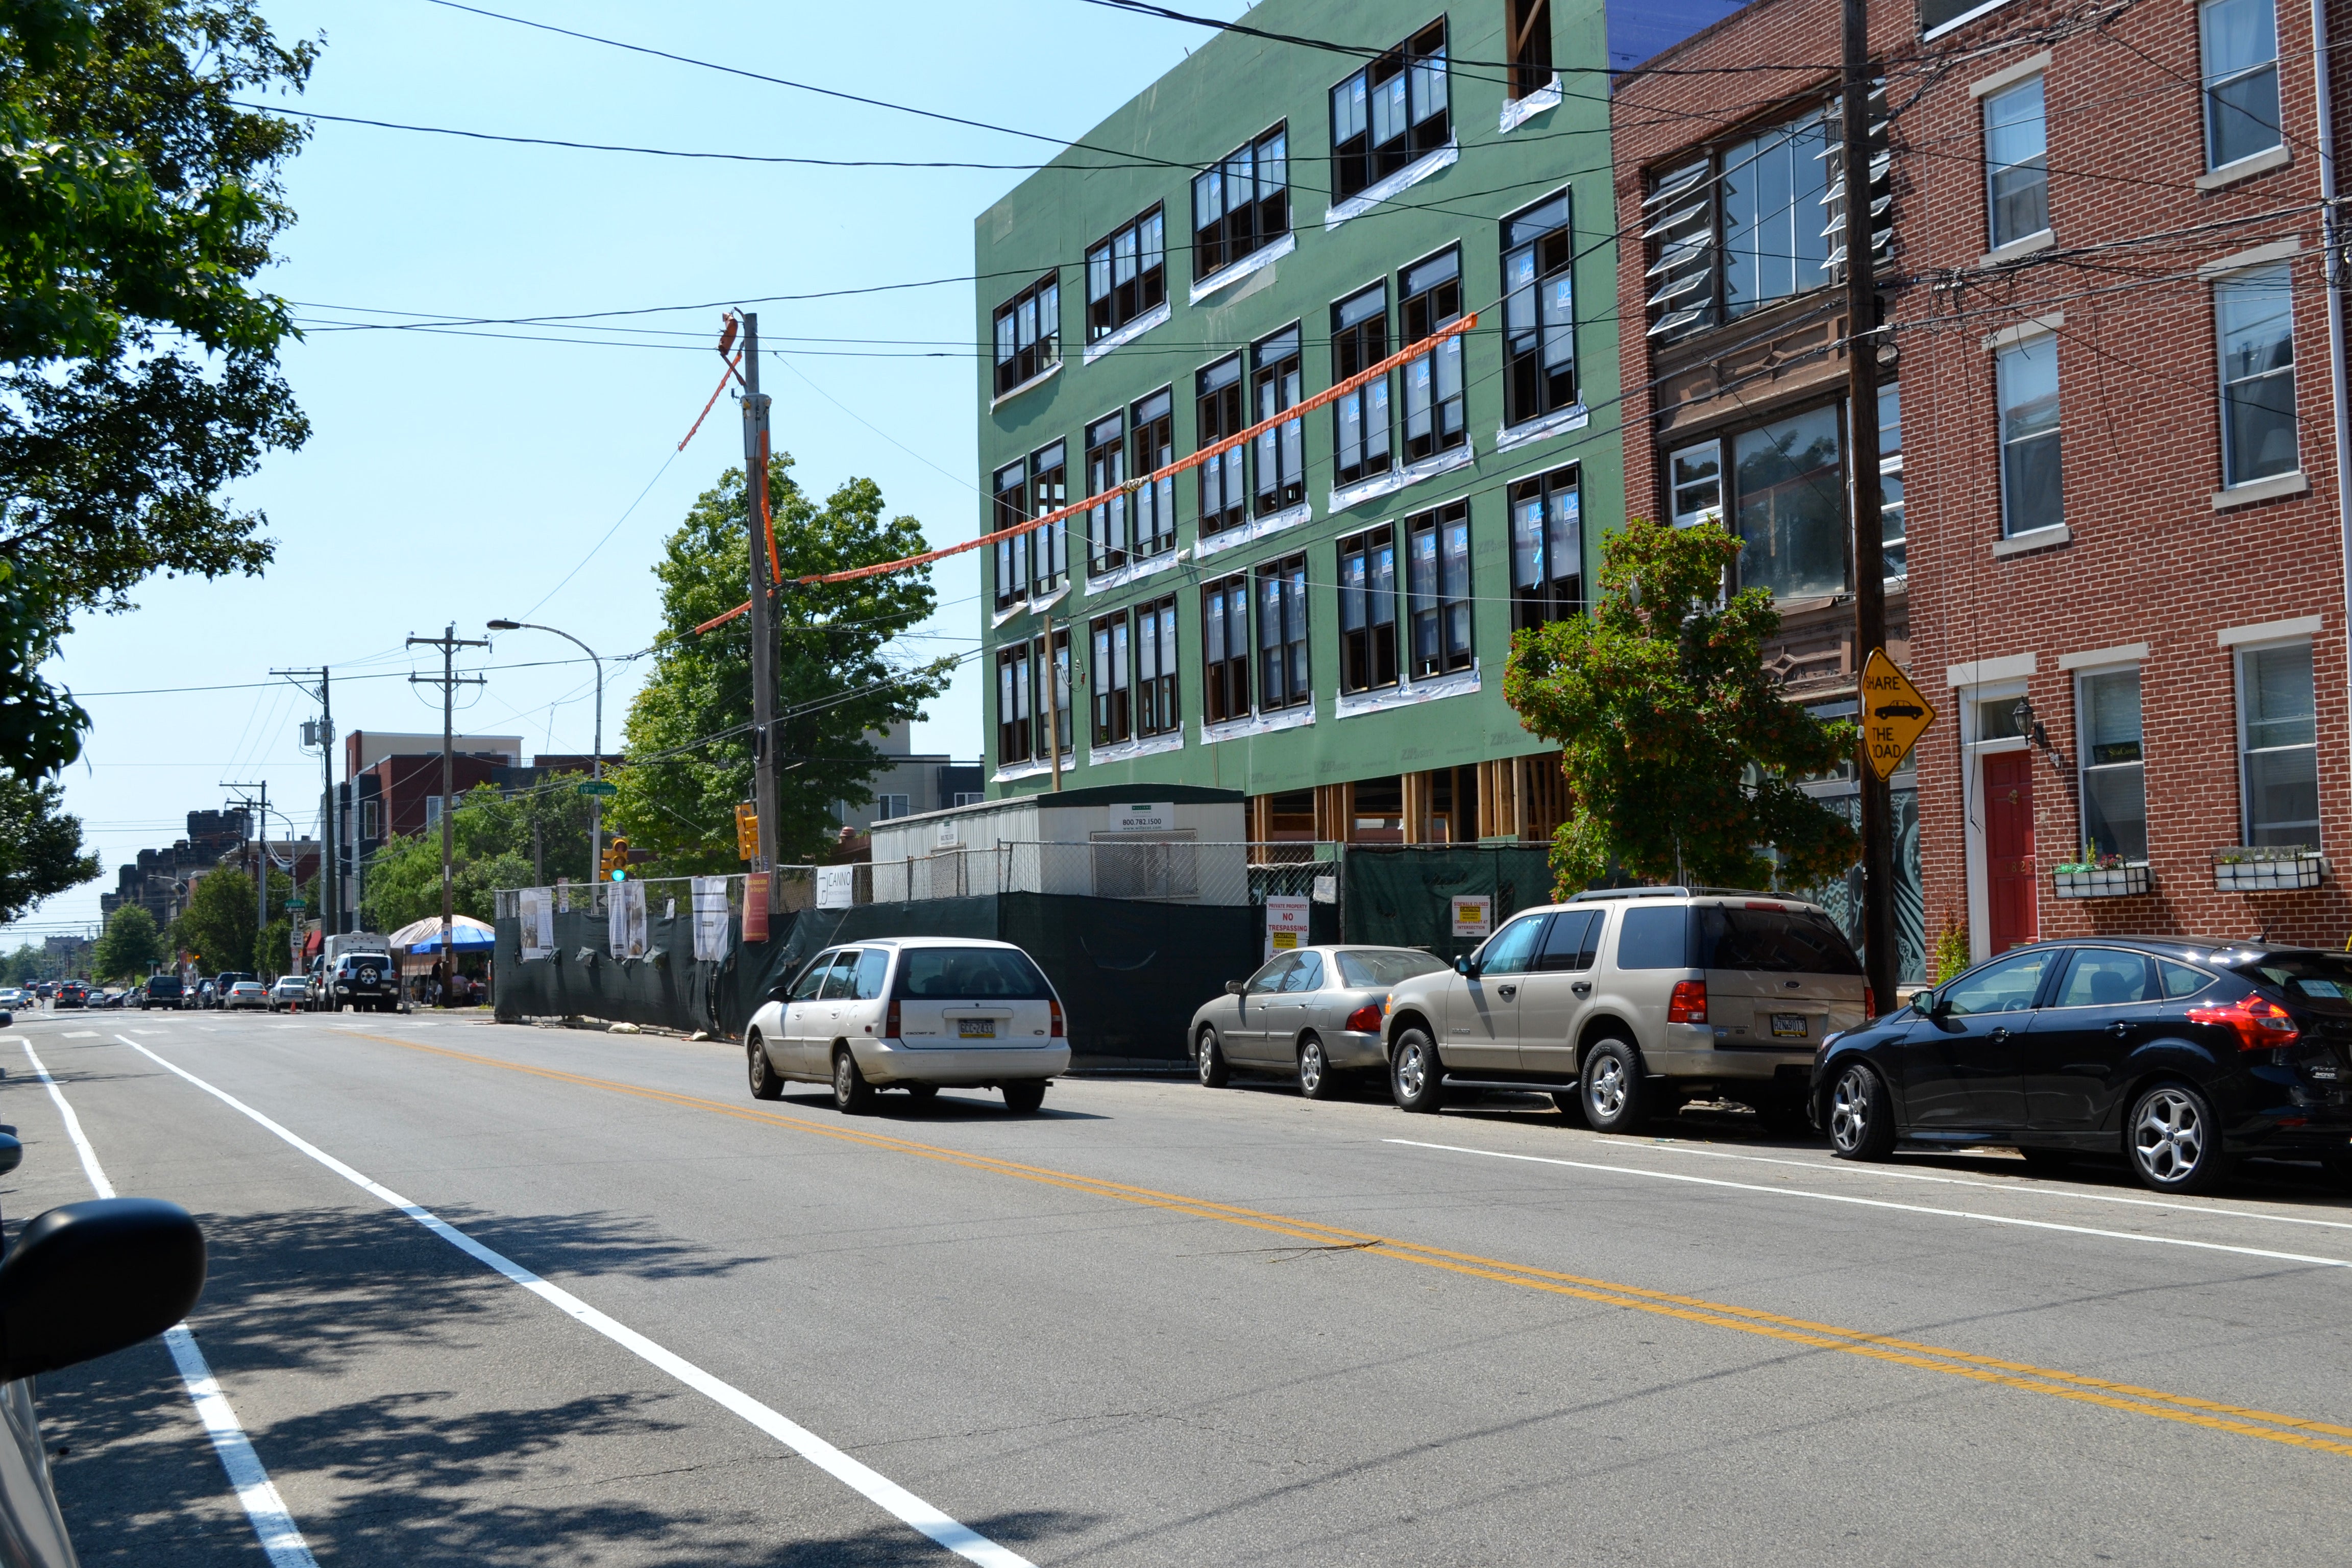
point(2086, 880)
point(2246, 869)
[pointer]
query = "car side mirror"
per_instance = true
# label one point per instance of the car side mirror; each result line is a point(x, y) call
point(1236, 987)
point(1464, 964)
point(88, 1279)
point(12, 1154)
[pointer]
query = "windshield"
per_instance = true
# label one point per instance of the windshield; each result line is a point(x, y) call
point(965, 973)
point(2322, 980)
point(1359, 966)
point(1774, 940)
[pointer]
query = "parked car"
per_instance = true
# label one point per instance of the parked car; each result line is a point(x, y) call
point(221, 984)
point(246, 993)
point(160, 991)
point(289, 991)
point(914, 1013)
point(1624, 1003)
point(2181, 1056)
point(1312, 1015)
point(364, 981)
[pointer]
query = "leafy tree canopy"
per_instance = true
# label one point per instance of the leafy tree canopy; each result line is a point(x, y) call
point(218, 922)
point(131, 946)
point(40, 847)
point(1681, 756)
point(137, 370)
point(491, 848)
point(837, 678)
point(22, 967)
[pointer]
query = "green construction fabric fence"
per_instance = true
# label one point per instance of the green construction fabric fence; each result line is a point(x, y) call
point(1401, 896)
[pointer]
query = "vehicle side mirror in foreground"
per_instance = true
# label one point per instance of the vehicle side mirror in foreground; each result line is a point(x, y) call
point(1236, 987)
point(12, 1154)
point(88, 1279)
point(1465, 965)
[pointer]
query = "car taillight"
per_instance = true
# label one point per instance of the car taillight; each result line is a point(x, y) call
point(1058, 1030)
point(1365, 1020)
point(1869, 1003)
point(2261, 1024)
point(1689, 1004)
point(890, 1028)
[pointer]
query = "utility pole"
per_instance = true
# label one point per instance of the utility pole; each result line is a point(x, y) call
point(763, 618)
point(448, 680)
point(330, 907)
point(261, 862)
point(1879, 955)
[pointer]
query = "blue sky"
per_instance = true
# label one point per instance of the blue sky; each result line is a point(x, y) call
point(456, 477)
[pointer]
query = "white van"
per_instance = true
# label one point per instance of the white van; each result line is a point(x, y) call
point(920, 1013)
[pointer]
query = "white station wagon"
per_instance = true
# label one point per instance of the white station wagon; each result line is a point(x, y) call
point(920, 1013)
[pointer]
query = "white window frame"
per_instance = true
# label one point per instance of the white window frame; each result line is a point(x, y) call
point(2082, 763)
point(2238, 655)
point(2040, 81)
point(2034, 337)
point(1713, 514)
point(2207, 82)
point(2237, 277)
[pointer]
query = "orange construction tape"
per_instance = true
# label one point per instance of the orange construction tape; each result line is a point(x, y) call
point(1329, 394)
point(714, 399)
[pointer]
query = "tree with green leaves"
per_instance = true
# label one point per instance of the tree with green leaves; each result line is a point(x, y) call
point(41, 846)
point(839, 677)
point(1682, 759)
point(131, 946)
point(23, 966)
point(492, 846)
point(218, 922)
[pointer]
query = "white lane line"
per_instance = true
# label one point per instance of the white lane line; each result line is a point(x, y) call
point(1883, 1204)
point(1677, 1146)
point(281, 1539)
point(81, 1034)
point(871, 1484)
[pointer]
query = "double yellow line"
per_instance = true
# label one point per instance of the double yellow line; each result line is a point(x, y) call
point(2269, 1426)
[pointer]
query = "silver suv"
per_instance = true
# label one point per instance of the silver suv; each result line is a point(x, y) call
point(1623, 1004)
point(912, 1012)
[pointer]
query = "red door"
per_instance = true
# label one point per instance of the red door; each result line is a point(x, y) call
point(2010, 886)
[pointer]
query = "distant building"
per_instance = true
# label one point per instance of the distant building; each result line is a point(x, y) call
point(912, 783)
point(158, 878)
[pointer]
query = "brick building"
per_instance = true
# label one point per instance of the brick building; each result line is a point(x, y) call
point(2115, 518)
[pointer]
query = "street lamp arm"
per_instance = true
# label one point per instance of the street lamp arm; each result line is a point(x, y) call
point(597, 758)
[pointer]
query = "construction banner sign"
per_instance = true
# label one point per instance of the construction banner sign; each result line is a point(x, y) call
point(1895, 714)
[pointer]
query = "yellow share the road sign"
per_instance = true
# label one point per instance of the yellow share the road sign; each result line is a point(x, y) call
point(1895, 713)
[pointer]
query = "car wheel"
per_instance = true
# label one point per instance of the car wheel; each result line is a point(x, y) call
point(1416, 1077)
point(1315, 1078)
point(1211, 1061)
point(2173, 1142)
point(923, 1093)
point(1616, 1099)
point(1860, 1121)
point(852, 1095)
point(1023, 1096)
point(765, 1084)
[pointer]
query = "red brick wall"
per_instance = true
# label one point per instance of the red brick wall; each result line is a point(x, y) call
point(2149, 559)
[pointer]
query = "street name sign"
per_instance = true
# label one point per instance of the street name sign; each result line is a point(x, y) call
point(1895, 714)
point(598, 787)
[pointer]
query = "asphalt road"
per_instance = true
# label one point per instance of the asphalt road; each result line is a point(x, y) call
point(659, 1322)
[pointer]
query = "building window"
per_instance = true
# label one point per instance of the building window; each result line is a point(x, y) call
point(2029, 489)
point(1281, 451)
point(969, 797)
point(1539, 313)
point(2016, 163)
point(1281, 677)
point(1107, 671)
point(1055, 663)
point(371, 819)
point(1527, 35)
point(1390, 113)
point(1011, 555)
point(1768, 198)
point(1546, 549)
point(1368, 610)
point(1894, 536)
point(432, 811)
point(1014, 692)
point(1695, 477)
point(1225, 649)
point(1218, 413)
point(2115, 790)
point(888, 806)
point(1437, 585)
point(1155, 713)
point(1049, 490)
point(1127, 275)
point(1154, 425)
point(2256, 311)
point(2239, 42)
point(1431, 297)
point(1789, 478)
point(2279, 757)
point(1360, 339)
point(1028, 334)
point(1107, 525)
point(1242, 204)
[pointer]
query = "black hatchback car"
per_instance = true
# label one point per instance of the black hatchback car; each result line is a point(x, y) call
point(2179, 1054)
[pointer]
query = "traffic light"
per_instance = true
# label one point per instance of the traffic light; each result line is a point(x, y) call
point(747, 832)
point(616, 860)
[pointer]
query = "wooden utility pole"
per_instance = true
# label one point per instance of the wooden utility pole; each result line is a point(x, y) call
point(448, 680)
point(1880, 959)
point(763, 610)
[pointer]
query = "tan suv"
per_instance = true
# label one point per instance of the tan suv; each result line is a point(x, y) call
point(1623, 1004)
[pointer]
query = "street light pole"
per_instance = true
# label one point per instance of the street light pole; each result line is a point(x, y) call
point(596, 764)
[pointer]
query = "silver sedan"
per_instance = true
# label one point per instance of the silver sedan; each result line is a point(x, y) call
point(1312, 1014)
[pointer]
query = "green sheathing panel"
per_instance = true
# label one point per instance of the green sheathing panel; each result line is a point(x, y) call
point(1233, 89)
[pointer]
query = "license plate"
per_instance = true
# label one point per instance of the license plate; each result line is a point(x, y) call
point(1788, 1025)
point(976, 1028)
